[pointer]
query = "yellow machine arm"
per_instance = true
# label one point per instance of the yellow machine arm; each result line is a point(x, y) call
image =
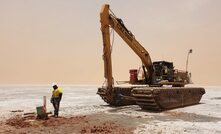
point(108, 20)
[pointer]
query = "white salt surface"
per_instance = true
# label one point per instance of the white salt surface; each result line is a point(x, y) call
point(204, 118)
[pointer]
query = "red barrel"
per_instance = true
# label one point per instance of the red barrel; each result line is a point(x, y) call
point(133, 76)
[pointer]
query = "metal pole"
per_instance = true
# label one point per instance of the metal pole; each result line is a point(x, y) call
point(187, 59)
point(44, 104)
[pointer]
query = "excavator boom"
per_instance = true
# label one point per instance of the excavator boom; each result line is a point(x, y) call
point(110, 20)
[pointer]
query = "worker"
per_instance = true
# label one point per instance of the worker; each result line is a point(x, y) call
point(56, 98)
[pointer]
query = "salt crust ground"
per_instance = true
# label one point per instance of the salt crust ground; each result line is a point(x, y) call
point(82, 100)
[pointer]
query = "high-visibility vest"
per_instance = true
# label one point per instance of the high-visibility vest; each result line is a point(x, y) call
point(55, 93)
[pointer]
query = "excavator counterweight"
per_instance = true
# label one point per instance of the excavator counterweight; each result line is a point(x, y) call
point(148, 92)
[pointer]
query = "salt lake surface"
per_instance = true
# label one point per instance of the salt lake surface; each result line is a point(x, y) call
point(202, 118)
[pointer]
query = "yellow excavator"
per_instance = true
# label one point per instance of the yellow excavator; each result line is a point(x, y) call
point(160, 87)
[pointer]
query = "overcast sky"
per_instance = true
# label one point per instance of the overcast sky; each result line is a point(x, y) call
point(45, 41)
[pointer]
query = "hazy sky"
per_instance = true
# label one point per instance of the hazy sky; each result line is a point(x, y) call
point(45, 41)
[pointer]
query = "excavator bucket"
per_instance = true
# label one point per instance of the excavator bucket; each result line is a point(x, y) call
point(117, 96)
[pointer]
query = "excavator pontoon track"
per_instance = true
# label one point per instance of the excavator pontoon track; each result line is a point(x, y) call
point(164, 98)
point(152, 98)
point(117, 96)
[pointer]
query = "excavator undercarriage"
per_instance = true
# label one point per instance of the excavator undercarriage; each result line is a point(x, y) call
point(152, 98)
point(160, 88)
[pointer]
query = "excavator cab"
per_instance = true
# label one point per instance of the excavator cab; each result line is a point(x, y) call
point(164, 74)
point(164, 71)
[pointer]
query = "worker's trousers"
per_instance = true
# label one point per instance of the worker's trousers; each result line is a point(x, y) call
point(56, 104)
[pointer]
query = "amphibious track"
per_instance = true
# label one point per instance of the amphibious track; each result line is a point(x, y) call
point(152, 98)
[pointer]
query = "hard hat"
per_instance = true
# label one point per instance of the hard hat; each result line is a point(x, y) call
point(54, 84)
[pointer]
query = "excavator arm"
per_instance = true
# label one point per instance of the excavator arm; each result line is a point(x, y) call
point(105, 23)
point(109, 20)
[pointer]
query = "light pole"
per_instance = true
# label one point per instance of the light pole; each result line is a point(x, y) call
point(190, 51)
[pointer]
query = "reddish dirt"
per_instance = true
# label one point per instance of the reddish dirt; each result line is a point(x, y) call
point(77, 124)
point(18, 122)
